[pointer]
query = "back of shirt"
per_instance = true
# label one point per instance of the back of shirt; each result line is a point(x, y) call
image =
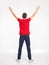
point(24, 26)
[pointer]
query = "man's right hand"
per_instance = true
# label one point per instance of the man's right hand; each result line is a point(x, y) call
point(10, 8)
point(13, 12)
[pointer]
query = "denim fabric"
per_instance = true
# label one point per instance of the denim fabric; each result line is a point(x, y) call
point(21, 40)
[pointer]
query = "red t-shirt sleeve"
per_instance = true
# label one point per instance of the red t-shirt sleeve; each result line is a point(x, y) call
point(18, 19)
point(29, 19)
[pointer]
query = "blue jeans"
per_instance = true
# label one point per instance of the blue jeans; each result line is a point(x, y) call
point(21, 40)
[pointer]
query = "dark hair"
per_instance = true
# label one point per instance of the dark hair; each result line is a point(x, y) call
point(24, 15)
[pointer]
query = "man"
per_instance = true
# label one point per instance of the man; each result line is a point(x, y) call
point(24, 32)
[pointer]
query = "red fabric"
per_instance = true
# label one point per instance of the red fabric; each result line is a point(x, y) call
point(24, 26)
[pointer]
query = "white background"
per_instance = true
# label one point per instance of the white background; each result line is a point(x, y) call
point(39, 25)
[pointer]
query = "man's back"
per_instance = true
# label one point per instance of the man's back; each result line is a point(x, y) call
point(24, 26)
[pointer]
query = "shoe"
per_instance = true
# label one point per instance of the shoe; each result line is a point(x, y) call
point(18, 60)
point(31, 60)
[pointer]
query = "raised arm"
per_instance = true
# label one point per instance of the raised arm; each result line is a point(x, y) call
point(13, 13)
point(34, 12)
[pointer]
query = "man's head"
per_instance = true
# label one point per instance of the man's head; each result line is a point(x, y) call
point(24, 15)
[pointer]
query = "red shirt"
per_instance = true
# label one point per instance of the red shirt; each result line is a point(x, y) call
point(24, 26)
